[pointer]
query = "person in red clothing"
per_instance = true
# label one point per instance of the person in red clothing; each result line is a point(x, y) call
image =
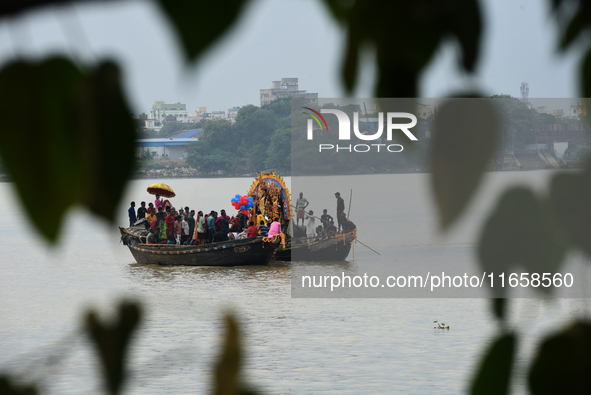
point(170, 218)
point(252, 230)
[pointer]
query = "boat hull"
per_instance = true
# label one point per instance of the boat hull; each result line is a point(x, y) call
point(334, 249)
point(229, 253)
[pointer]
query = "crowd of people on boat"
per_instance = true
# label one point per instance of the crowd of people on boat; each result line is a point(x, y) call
point(327, 228)
point(168, 225)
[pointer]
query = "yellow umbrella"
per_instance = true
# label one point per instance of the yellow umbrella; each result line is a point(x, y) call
point(161, 189)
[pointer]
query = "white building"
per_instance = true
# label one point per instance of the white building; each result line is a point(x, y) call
point(233, 113)
point(218, 114)
point(169, 148)
point(287, 87)
point(423, 111)
point(161, 110)
point(543, 110)
point(575, 111)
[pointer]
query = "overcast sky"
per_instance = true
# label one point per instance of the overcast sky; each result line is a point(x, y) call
point(275, 39)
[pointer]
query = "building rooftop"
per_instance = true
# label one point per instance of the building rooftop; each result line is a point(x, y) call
point(164, 142)
point(188, 134)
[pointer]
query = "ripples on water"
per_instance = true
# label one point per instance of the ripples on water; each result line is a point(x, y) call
point(293, 346)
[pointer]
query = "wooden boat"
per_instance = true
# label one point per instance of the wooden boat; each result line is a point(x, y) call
point(251, 251)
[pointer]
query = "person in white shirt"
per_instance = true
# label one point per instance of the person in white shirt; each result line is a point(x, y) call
point(311, 226)
point(301, 205)
point(185, 227)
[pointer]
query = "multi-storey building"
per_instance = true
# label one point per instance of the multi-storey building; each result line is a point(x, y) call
point(286, 88)
point(233, 113)
point(161, 110)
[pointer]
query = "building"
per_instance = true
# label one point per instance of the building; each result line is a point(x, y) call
point(286, 88)
point(233, 113)
point(218, 115)
point(542, 110)
point(424, 110)
point(576, 111)
point(200, 112)
point(170, 148)
point(160, 111)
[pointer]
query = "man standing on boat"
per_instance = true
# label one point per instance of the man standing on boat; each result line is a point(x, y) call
point(131, 212)
point(192, 224)
point(210, 227)
point(340, 209)
point(301, 205)
point(141, 212)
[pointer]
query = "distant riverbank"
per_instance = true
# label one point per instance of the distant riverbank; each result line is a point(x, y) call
point(189, 172)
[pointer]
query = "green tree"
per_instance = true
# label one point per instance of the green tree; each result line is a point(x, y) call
point(279, 151)
point(518, 122)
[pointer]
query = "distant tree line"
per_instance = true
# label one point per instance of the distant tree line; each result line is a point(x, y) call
point(259, 139)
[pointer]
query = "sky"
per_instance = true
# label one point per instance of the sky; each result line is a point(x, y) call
point(276, 39)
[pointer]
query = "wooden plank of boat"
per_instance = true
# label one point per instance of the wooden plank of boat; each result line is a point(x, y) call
point(332, 249)
point(228, 253)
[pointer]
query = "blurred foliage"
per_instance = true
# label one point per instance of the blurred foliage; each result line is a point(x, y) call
point(521, 232)
point(518, 123)
point(562, 365)
point(464, 136)
point(8, 387)
point(494, 374)
point(199, 24)
point(75, 122)
point(405, 36)
point(227, 373)
point(70, 116)
point(112, 342)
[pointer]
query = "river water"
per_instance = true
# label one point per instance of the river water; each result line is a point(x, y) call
point(293, 346)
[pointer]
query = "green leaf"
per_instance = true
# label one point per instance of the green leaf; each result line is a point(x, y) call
point(570, 195)
point(339, 9)
point(351, 61)
point(499, 307)
point(9, 388)
point(466, 26)
point(38, 143)
point(107, 140)
point(464, 133)
point(199, 24)
point(572, 31)
point(227, 370)
point(494, 374)
point(405, 35)
point(520, 232)
point(562, 364)
point(111, 341)
point(67, 138)
point(586, 75)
